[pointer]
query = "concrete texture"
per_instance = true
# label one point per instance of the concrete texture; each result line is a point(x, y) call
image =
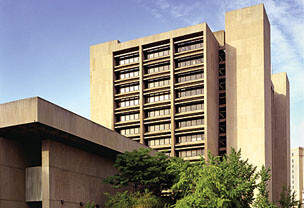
point(50, 154)
point(281, 134)
point(211, 93)
point(12, 174)
point(33, 184)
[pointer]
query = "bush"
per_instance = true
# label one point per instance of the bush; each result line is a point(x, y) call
point(90, 205)
point(134, 200)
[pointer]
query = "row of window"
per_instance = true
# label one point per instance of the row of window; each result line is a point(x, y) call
point(159, 112)
point(128, 102)
point(159, 127)
point(189, 61)
point(157, 97)
point(190, 153)
point(127, 59)
point(158, 52)
point(187, 123)
point(129, 117)
point(129, 131)
point(192, 107)
point(189, 77)
point(190, 45)
point(157, 68)
point(190, 138)
point(157, 142)
point(189, 92)
point(128, 73)
point(128, 88)
point(158, 83)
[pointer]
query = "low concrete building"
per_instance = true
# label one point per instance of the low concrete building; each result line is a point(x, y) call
point(51, 157)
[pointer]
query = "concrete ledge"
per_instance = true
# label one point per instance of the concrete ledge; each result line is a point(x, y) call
point(40, 113)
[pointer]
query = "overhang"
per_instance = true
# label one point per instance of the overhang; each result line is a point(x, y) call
point(37, 119)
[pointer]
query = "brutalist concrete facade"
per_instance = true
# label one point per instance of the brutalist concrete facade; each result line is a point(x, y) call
point(189, 91)
point(51, 157)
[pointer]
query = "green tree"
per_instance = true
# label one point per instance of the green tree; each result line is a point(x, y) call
point(288, 198)
point(126, 199)
point(90, 205)
point(142, 170)
point(262, 200)
point(227, 182)
point(219, 182)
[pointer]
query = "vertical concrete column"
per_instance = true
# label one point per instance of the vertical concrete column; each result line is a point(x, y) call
point(46, 201)
point(248, 81)
point(281, 134)
point(102, 89)
point(141, 95)
point(211, 92)
point(172, 96)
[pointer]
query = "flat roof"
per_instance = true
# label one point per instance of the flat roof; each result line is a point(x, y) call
point(36, 118)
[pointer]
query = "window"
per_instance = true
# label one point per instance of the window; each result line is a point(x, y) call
point(158, 52)
point(185, 92)
point(125, 74)
point(190, 138)
point(128, 102)
point(157, 68)
point(128, 88)
point(191, 153)
point(127, 59)
point(188, 123)
point(158, 82)
point(129, 117)
point(157, 142)
point(158, 112)
point(159, 127)
point(190, 45)
point(188, 61)
point(129, 131)
point(157, 97)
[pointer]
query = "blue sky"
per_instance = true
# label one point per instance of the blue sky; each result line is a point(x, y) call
point(44, 45)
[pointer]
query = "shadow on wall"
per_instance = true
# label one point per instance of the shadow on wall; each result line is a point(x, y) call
point(231, 97)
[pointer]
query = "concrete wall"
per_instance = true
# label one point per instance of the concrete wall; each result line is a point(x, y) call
point(220, 37)
point(33, 182)
point(37, 110)
point(73, 175)
point(248, 80)
point(211, 93)
point(281, 135)
point(102, 84)
point(12, 174)
point(248, 84)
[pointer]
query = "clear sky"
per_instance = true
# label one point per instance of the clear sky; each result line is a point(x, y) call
point(44, 44)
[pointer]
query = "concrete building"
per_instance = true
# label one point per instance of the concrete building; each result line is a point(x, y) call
point(51, 157)
point(189, 91)
point(297, 172)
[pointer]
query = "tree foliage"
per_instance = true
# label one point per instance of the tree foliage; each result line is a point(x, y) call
point(288, 198)
point(141, 170)
point(218, 182)
point(226, 182)
point(126, 199)
point(262, 196)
